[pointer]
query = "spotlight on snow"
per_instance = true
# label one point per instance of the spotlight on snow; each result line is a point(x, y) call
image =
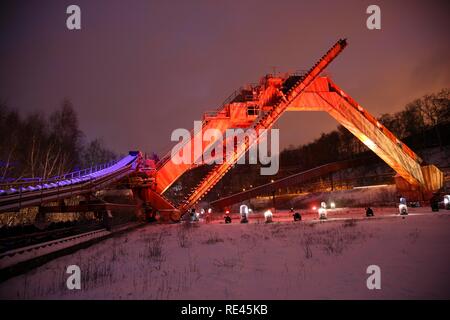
point(194, 215)
point(268, 216)
point(227, 216)
point(403, 209)
point(323, 211)
point(447, 202)
point(243, 211)
point(332, 205)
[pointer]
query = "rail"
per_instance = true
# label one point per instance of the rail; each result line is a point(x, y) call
point(25, 194)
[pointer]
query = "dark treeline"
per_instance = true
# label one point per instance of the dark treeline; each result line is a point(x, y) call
point(425, 122)
point(38, 146)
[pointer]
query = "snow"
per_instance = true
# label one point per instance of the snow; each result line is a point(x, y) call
point(280, 260)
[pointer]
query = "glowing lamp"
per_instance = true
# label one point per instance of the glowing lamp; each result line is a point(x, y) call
point(268, 216)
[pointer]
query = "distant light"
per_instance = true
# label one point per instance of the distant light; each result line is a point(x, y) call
point(251, 186)
point(227, 212)
point(243, 189)
point(314, 208)
point(271, 181)
point(209, 210)
point(332, 205)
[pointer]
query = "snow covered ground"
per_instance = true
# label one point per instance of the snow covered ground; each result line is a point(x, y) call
point(282, 260)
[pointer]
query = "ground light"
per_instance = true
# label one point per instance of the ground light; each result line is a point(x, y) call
point(268, 216)
point(403, 209)
point(227, 217)
point(323, 211)
point(447, 202)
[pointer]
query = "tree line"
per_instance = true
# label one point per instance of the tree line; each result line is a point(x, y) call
point(422, 123)
point(41, 147)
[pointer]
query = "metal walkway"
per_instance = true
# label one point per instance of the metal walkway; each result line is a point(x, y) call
point(72, 184)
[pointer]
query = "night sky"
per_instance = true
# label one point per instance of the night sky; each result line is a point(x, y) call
point(139, 69)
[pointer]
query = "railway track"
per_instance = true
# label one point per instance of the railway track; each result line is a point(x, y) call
point(17, 241)
point(16, 261)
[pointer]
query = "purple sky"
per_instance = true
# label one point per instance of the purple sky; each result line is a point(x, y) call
point(139, 69)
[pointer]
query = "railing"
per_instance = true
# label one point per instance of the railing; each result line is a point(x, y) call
point(17, 195)
point(299, 72)
point(86, 171)
point(67, 176)
point(210, 114)
point(53, 182)
point(233, 95)
point(230, 98)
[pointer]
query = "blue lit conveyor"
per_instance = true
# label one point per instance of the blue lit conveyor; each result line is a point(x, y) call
point(75, 183)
